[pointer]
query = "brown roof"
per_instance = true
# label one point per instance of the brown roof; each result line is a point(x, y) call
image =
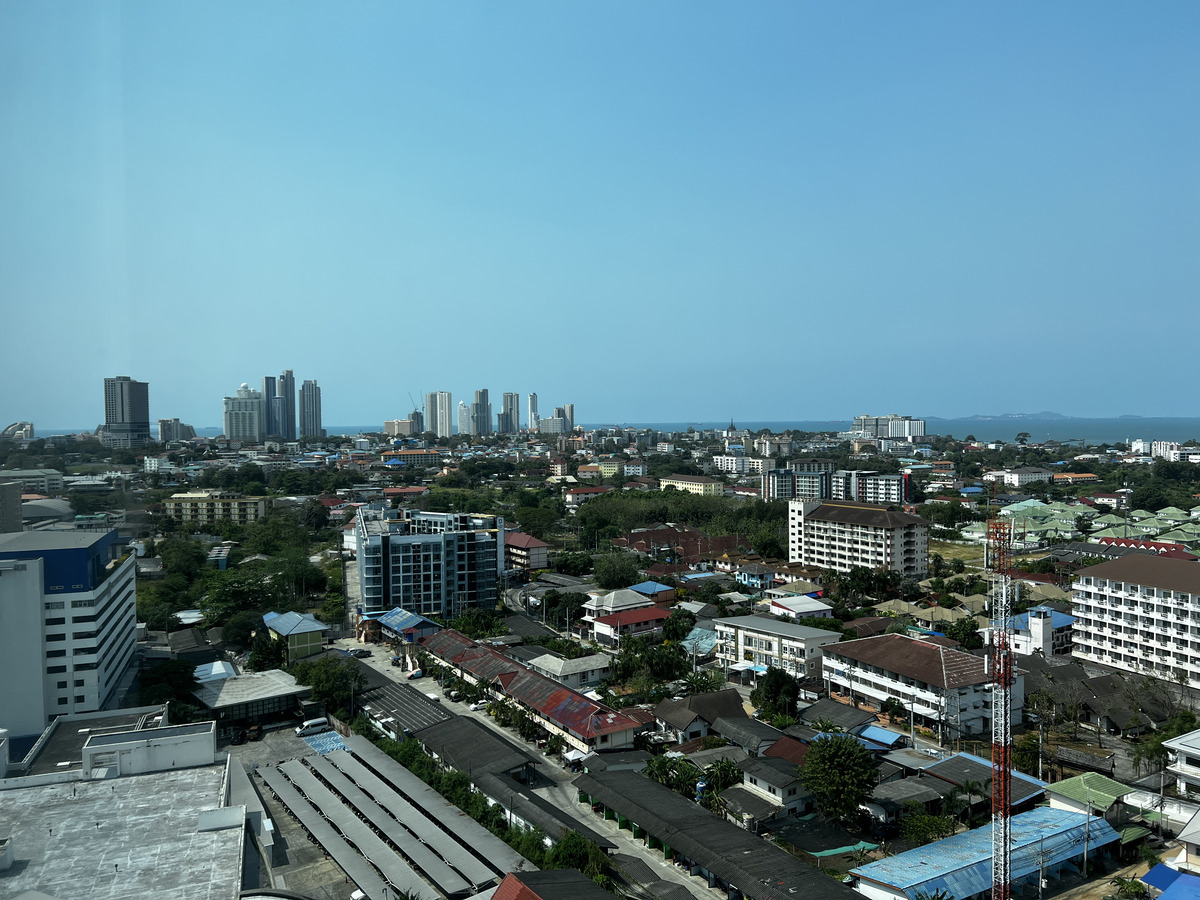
point(913, 658)
point(522, 540)
point(1152, 571)
point(871, 514)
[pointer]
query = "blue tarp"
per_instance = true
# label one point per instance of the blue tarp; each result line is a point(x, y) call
point(962, 865)
point(1185, 887)
point(1161, 876)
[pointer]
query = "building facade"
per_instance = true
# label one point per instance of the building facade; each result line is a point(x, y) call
point(428, 563)
point(480, 421)
point(126, 412)
point(765, 641)
point(943, 688)
point(1139, 613)
point(693, 484)
point(509, 421)
point(868, 487)
point(533, 412)
point(205, 507)
point(792, 484)
point(840, 535)
point(68, 624)
point(244, 416)
point(439, 413)
point(285, 389)
point(310, 410)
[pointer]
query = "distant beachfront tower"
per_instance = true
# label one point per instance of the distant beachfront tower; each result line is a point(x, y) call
point(310, 410)
point(439, 413)
point(126, 412)
point(244, 416)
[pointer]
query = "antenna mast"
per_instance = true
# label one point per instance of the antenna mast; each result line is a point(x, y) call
point(999, 541)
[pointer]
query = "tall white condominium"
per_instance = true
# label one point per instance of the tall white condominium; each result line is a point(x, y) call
point(510, 414)
point(126, 412)
point(569, 414)
point(533, 413)
point(244, 416)
point(439, 413)
point(481, 413)
point(310, 410)
point(464, 418)
point(286, 391)
point(68, 624)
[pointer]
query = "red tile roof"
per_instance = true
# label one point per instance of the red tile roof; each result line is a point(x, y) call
point(634, 617)
point(522, 540)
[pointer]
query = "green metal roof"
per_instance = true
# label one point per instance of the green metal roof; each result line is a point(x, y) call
point(1092, 788)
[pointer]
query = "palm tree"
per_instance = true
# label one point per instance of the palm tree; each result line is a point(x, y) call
point(827, 727)
point(939, 894)
point(721, 774)
point(1129, 887)
point(861, 856)
point(971, 788)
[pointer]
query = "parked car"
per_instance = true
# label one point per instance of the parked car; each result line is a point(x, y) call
point(478, 705)
point(254, 732)
point(415, 673)
point(360, 653)
point(397, 660)
point(434, 697)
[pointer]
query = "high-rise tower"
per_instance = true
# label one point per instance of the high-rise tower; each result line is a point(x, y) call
point(286, 391)
point(532, 421)
point(510, 414)
point(310, 410)
point(270, 405)
point(481, 413)
point(126, 412)
point(243, 416)
point(439, 413)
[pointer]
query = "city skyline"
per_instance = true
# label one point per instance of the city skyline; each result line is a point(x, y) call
point(967, 179)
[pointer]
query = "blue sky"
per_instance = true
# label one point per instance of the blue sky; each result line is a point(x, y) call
point(662, 211)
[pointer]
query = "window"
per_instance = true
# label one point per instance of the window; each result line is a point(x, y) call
point(62, 701)
point(50, 623)
point(62, 684)
point(78, 683)
point(79, 698)
point(55, 670)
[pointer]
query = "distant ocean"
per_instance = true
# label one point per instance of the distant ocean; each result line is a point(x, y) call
point(985, 428)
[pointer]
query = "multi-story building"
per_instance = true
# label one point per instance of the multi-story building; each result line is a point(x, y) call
point(481, 413)
point(868, 487)
point(1019, 477)
point(813, 464)
point(693, 484)
point(410, 427)
point(773, 445)
point(43, 481)
point(840, 534)
point(943, 688)
point(747, 641)
point(205, 507)
point(244, 416)
point(892, 426)
point(525, 552)
point(272, 405)
point(741, 465)
point(790, 484)
point(568, 413)
point(286, 416)
point(439, 413)
point(554, 425)
point(10, 506)
point(68, 625)
point(1140, 613)
point(310, 410)
point(533, 412)
point(126, 412)
point(428, 563)
point(171, 430)
point(509, 419)
point(464, 418)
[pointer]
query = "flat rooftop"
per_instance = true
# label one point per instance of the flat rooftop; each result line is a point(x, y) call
point(62, 747)
point(123, 837)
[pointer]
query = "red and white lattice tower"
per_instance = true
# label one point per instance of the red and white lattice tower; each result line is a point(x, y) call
point(999, 546)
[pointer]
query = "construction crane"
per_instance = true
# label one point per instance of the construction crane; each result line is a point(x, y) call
point(999, 545)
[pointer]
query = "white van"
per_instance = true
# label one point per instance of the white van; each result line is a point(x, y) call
point(312, 726)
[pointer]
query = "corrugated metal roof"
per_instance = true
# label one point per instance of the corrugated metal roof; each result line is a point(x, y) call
point(962, 865)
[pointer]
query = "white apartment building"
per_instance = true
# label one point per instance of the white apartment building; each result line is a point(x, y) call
point(839, 535)
point(744, 642)
point(945, 689)
point(868, 487)
point(1140, 613)
point(741, 465)
point(68, 624)
point(1020, 477)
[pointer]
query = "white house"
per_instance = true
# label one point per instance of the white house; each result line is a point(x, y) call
point(755, 642)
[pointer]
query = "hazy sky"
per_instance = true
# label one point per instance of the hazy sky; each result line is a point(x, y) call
point(661, 211)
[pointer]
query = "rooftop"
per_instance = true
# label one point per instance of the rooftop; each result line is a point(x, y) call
point(1153, 571)
point(247, 687)
point(768, 625)
point(135, 836)
point(850, 513)
point(913, 658)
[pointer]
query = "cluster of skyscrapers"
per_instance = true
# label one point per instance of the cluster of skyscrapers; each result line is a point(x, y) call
point(441, 416)
point(255, 416)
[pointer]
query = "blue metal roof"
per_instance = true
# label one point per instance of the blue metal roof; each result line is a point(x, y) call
point(1161, 876)
point(651, 587)
point(293, 623)
point(962, 865)
point(401, 620)
point(1185, 887)
point(880, 735)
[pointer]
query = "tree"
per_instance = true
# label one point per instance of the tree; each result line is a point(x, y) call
point(239, 630)
point(966, 632)
point(617, 570)
point(678, 625)
point(333, 679)
point(839, 772)
point(919, 827)
point(776, 693)
point(170, 681)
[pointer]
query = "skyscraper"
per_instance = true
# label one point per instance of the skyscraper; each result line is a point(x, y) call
point(272, 405)
point(126, 412)
point(439, 413)
point(310, 410)
point(286, 392)
point(532, 421)
point(243, 416)
point(464, 418)
point(510, 414)
point(481, 413)
point(569, 411)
